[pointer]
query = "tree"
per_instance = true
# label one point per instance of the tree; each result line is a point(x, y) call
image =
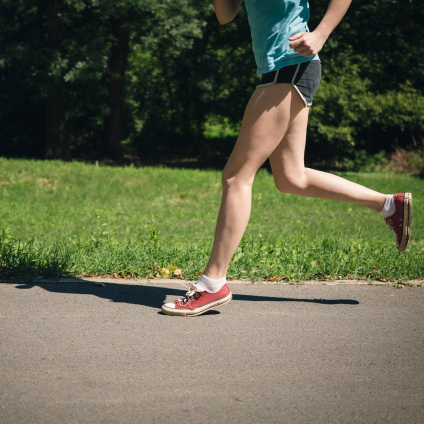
point(42, 44)
point(91, 78)
point(371, 95)
point(188, 79)
point(78, 51)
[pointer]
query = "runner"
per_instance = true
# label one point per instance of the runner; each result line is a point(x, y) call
point(274, 126)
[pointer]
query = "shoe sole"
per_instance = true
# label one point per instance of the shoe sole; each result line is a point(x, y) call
point(407, 222)
point(198, 311)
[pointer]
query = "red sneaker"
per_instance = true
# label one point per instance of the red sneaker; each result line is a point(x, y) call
point(196, 303)
point(401, 221)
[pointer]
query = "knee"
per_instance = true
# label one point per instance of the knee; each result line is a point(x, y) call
point(232, 178)
point(291, 182)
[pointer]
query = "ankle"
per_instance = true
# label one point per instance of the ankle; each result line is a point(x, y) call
point(389, 207)
point(209, 284)
point(214, 272)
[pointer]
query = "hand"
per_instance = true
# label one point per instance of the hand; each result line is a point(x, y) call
point(307, 43)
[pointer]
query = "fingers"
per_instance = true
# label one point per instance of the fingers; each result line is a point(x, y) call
point(296, 36)
point(300, 46)
point(306, 43)
point(303, 52)
point(298, 42)
point(306, 53)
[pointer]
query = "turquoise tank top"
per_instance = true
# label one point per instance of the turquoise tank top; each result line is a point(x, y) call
point(272, 22)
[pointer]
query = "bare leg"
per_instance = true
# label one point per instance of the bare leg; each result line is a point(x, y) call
point(274, 126)
point(291, 176)
point(268, 115)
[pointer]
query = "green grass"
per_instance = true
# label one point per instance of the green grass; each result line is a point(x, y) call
point(80, 219)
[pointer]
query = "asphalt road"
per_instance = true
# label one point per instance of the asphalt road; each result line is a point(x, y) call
point(78, 353)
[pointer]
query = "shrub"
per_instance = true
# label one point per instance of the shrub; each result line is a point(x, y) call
point(406, 160)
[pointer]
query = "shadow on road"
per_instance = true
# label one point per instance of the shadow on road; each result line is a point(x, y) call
point(154, 296)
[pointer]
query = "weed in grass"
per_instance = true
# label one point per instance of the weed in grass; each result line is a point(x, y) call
point(32, 258)
point(154, 233)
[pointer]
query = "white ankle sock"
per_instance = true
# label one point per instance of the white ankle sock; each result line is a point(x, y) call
point(209, 285)
point(389, 207)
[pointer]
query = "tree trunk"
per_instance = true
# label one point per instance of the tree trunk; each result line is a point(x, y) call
point(114, 121)
point(56, 145)
point(56, 139)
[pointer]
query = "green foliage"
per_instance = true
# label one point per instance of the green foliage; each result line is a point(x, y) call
point(347, 116)
point(372, 93)
point(186, 71)
point(32, 257)
point(154, 233)
point(181, 91)
point(67, 45)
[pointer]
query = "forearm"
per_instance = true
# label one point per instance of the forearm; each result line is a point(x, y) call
point(226, 10)
point(335, 12)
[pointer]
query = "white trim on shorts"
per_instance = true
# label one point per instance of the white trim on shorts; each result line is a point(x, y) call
point(292, 83)
point(301, 96)
point(272, 82)
point(295, 86)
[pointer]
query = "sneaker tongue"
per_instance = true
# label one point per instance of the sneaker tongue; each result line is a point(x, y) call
point(194, 288)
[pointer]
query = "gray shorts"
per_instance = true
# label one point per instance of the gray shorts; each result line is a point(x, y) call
point(305, 77)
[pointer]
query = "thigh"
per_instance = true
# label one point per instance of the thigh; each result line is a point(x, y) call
point(287, 159)
point(268, 115)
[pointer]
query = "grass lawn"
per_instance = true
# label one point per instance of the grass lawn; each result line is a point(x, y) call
point(80, 219)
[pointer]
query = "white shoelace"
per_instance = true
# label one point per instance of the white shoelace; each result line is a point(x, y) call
point(189, 296)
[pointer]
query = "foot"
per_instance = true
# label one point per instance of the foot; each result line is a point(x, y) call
point(401, 221)
point(197, 302)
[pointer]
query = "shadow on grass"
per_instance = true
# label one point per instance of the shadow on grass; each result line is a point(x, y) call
point(153, 296)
